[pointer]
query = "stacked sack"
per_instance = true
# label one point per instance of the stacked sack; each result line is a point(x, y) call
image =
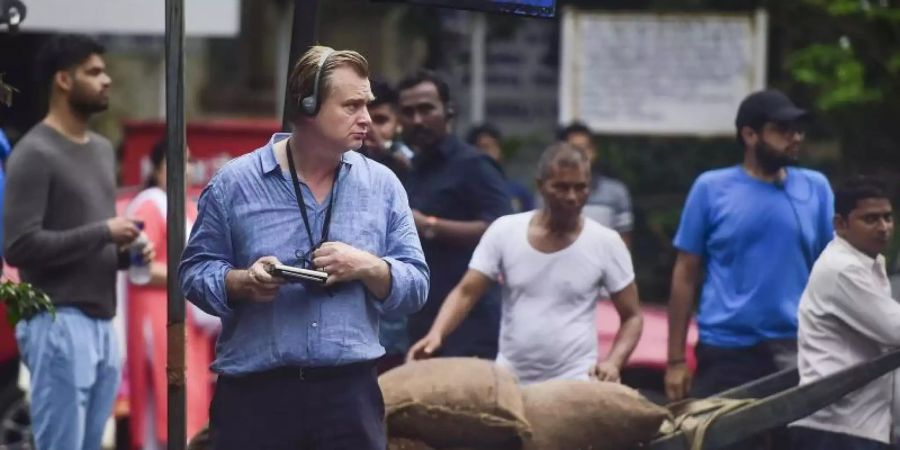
point(454, 402)
point(472, 404)
point(589, 415)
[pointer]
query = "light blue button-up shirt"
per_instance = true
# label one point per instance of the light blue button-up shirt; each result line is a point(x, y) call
point(249, 210)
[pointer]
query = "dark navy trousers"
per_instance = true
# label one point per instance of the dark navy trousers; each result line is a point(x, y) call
point(293, 408)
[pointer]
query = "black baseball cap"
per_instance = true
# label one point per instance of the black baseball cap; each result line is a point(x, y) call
point(767, 106)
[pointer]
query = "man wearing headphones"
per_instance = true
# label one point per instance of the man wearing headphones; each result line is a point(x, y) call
point(455, 192)
point(296, 356)
point(754, 230)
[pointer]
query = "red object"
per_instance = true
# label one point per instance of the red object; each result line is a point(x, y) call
point(212, 143)
point(147, 340)
point(652, 350)
point(8, 347)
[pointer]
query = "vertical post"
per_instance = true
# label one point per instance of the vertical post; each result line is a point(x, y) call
point(283, 25)
point(569, 84)
point(760, 49)
point(175, 187)
point(477, 60)
point(303, 36)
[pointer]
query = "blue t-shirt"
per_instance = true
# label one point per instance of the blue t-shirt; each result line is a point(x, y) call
point(5, 148)
point(758, 241)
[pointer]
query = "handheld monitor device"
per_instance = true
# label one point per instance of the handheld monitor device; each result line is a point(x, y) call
point(298, 274)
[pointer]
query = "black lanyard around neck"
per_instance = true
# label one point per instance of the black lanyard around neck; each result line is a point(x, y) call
point(326, 226)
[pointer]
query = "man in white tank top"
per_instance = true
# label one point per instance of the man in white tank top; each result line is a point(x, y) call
point(552, 264)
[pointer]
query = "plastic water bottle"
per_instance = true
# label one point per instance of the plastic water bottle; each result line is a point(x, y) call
point(139, 270)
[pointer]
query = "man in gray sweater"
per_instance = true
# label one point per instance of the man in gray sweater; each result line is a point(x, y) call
point(63, 234)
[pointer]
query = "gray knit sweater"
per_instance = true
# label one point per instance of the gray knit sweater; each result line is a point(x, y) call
point(58, 197)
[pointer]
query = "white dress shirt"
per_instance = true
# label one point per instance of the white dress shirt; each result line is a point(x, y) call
point(847, 317)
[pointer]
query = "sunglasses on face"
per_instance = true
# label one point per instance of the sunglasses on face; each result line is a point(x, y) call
point(788, 128)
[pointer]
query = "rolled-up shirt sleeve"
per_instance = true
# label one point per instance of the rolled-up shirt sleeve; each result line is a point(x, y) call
point(403, 253)
point(208, 256)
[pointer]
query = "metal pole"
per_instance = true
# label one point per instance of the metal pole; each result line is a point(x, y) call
point(477, 58)
point(303, 36)
point(175, 134)
point(760, 48)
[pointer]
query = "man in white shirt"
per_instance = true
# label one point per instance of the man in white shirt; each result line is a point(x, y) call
point(846, 317)
point(552, 264)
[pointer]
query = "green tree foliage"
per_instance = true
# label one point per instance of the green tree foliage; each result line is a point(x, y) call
point(845, 55)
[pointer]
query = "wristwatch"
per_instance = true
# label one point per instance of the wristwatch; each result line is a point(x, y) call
point(429, 232)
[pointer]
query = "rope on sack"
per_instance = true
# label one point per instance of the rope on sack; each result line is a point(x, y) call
point(694, 417)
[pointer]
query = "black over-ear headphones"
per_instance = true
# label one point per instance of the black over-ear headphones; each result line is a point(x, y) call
point(310, 105)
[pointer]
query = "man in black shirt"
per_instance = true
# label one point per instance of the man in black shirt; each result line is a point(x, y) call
point(455, 192)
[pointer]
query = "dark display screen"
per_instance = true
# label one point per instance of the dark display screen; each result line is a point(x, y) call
point(537, 8)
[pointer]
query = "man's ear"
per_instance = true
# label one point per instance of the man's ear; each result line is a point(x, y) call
point(839, 223)
point(749, 135)
point(63, 80)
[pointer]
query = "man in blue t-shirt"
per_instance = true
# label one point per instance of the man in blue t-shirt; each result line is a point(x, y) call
point(754, 230)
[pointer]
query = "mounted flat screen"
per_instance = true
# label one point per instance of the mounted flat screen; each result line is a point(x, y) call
point(537, 8)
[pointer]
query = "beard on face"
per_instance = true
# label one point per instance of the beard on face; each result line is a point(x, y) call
point(420, 137)
point(771, 159)
point(85, 102)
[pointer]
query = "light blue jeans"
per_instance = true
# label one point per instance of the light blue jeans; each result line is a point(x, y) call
point(75, 370)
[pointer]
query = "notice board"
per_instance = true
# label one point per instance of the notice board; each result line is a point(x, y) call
point(659, 74)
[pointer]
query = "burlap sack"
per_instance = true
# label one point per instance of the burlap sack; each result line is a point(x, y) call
point(449, 402)
point(406, 444)
point(588, 415)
